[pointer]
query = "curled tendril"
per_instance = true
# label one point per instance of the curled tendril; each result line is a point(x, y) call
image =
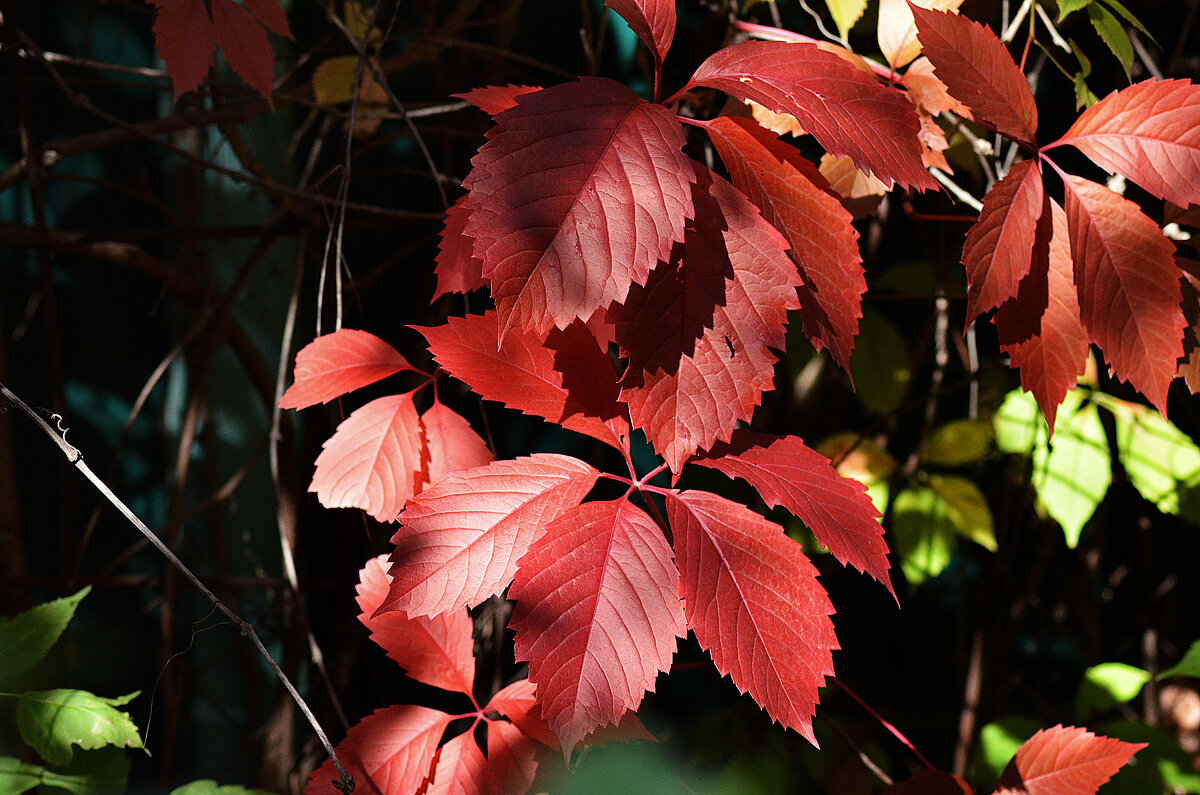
point(59, 424)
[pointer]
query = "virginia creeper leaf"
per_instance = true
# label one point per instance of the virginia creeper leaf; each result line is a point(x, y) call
point(527, 373)
point(692, 390)
point(999, 246)
point(457, 269)
point(52, 721)
point(244, 44)
point(511, 759)
point(978, 70)
point(1113, 35)
point(596, 615)
point(183, 33)
point(271, 15)
point(390, 750)
point(1128, 287)
point(787, 472)
point(373, 459)
point(753, 600)
point(461, 538)
point(335, 364)
point(448, 444)
point(27, 637)
point(436, 650)
point(579, 191)
point(496, 99)
point(460, 769)
point(1066, 759)
point(652, 20)
point(518, 702)
point(897, 32)
point(795, 198)
point(928, 92)
point(846, 110)
point(1148, 133)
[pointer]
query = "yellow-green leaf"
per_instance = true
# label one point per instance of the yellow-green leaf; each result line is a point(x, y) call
point(845, 13)
point(958, 442)
point(923, 534)
point(25, 638)
point(52, 721)
point(1105, 686)
point(966, 508)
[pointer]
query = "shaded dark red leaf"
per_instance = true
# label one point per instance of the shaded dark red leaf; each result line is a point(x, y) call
point(271, 15)
point(931, 782)
point(335, 364)
point(183, 33)
point(496, 99)
point(244, 44)
point(652, 20)
point(457, 269)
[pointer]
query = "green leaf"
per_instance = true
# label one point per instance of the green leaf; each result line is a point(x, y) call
point(1105, 686)
point(1129, 17)
point(923, 534)
point(209, 787)
point(51, 721)
point(1110, 30)
point(26, 638)
point(1084, 98)
point(998, 743)
point(845, 13)
point(880, 364)
point(99, 772)
point(1068, 7)
point(966, 508)
point(17, 776)
point(1189, 666)
point(958, 442)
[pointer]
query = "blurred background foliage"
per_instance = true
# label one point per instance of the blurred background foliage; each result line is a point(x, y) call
point(162, 261)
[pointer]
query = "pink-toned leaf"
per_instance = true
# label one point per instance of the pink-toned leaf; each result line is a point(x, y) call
point(436, 650)
point(334, 364)
point(753, 600)
point(496, 99)
point(460, 540)
point(457, 269)
point(999, 245)
point(846, 110)
point(511, 760)
point(373, 460)
point(1149, 133)
point(596, 615)
point(1053, 358)
point(787, 472)
point(1065, 760)
point(897, 32)
point(795, 198)
point(652, 20)
point(460, 769)
point(271, 15)
point(244, 44)
point(1128, 287)
point(518, 702)
point(978, 70)
point(700, 330)
point(184, 36)
point(449, 444)
point(526, 374)
point(579, 191)
point(389, 751)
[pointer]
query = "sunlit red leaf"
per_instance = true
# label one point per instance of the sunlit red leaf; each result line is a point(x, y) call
point(518, 702)
point(457, 269)
point(846, 110)
point(786, 472)
point(579, 191)
point(373, 460)
point(461, 538)
point(389, 751)
point(461, 768)
point(436, 650)
point(1149, 133)
point(979, 72)
point(795, 198)
point(999, 245)
point(753, 600)
point(596, 614)
point(334, 364)
point(926, 91)
point(184, 36)
point(244, 44)
point(271, 15)
point(449, 443)
point(511, 760)
point(1128, 287)
point(694, 389)
point(897, 33)
point(496, 99)
point(526, 373)
point(652, 20)
point(1066, 760)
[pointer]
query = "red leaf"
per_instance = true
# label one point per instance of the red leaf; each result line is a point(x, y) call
point(184, 36)
point(271, 15)
point(373, 460)
point(496, 99)
point(999, 245)
point(796, 199)
point(438, 651)
point(389, 751)
point(1149, 133)
point(527, 375)
point(1066, 760)
point(703, 325)
point(460, 540)
point(334, 364)
point(579, 191)
point(978, 70)
point(753, 600)
point(511, 760)
point(1128, 287)
point(461, 768)
point(449, 444)
point(652, 20)
point(457, 269)
point(519, 704)
point(1052, 360)
point(596, 615)
point(787, 472)
point(846, 110)
point(931, 782)
point(245, 45)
